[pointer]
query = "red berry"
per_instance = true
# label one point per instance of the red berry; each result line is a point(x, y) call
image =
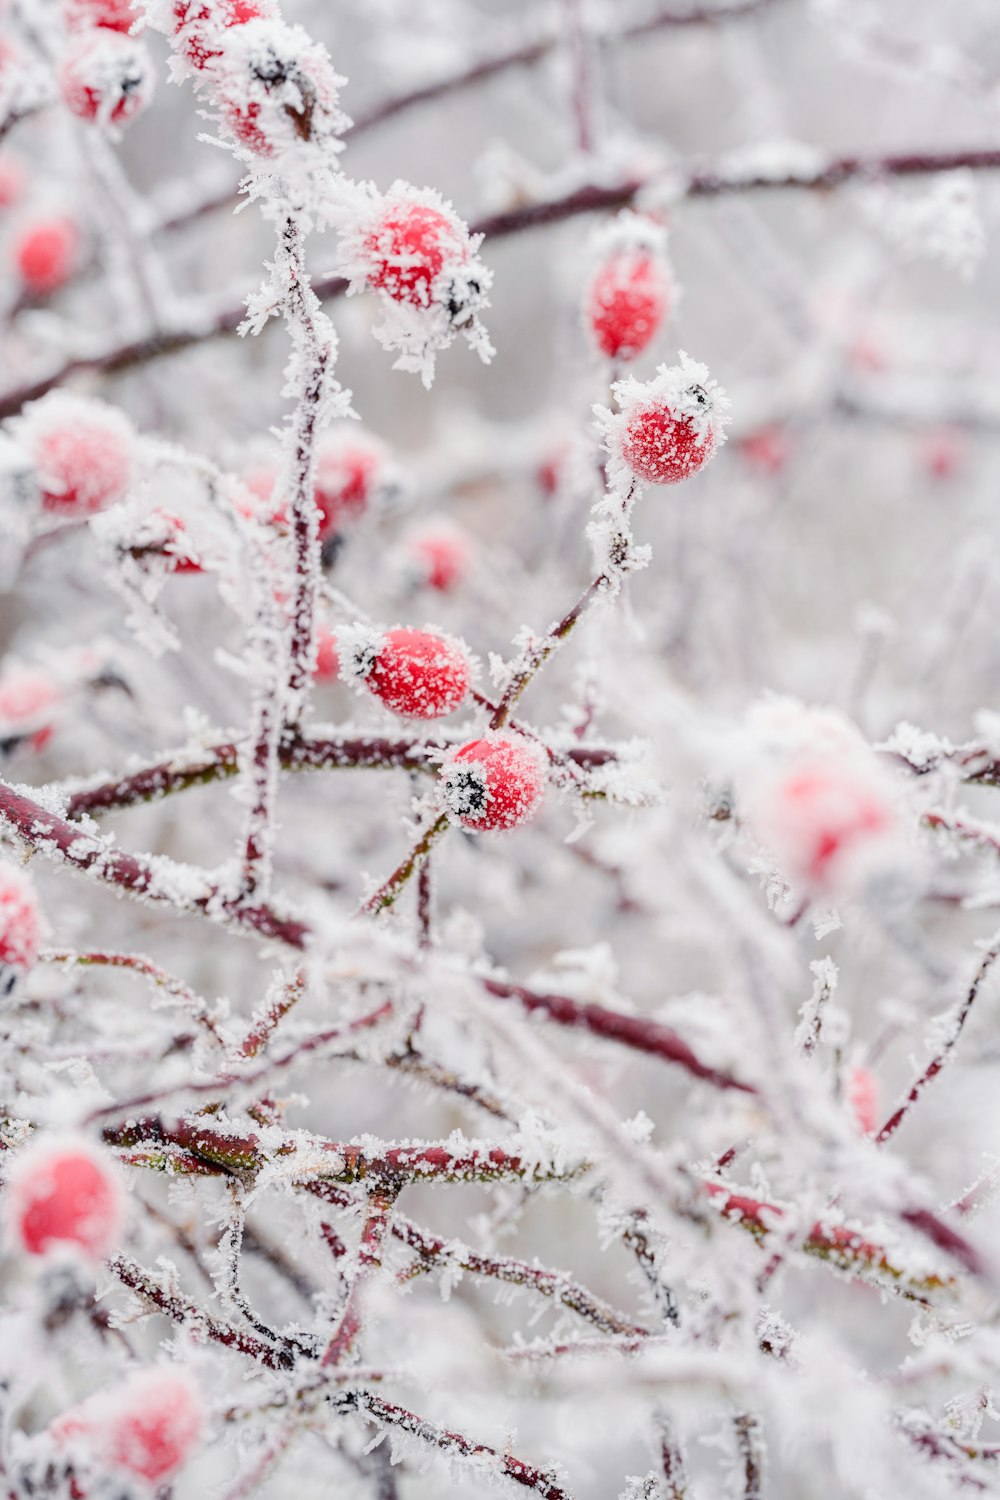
point(663, 448)
point(198, 29)
point(443, 557)
point(28, 702)
point(348, 465)
point(82, 451)
point(942, 453)
point(46, 253)
point(627, 301)
point(327, 656)
point(258, 502)
point(552, 467)
point(147, 1427)
point(107, 76)
point(64, 1194)
point(154, 1425)
point(417, 673)
point(113, 15)
point(405, 252)
point(493, 783)
point(276, 89)
point(20, 921)
point(824, 819)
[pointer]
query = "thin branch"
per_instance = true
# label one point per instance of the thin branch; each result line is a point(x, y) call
point(377, 1225)
point(390, 889)
point(943, 1055)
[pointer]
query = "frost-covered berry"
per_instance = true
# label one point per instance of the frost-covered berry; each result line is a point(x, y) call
point(353, 469)
point(493, 783)
point(277, 88)
point(417, 673)
point(148, 1427)
point(327, 667)
point(46, 253)
point(827, 819)
point(258, 500)
point(861, 1092)
point(63, 1195)
point(29, 701)
point(441, 556)
point(411, 248)
point(82, 450)
point(155, 1424)
point(20, 925)
point(112, 15)
point(107, 77)
point(666, 429)
point(630, 291)
point(199, 29)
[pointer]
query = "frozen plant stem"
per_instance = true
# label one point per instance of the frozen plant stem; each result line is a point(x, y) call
point(377, 1224)
point(390, 889)
point(539, 654)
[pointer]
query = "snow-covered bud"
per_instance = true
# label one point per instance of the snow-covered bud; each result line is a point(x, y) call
point(412, 248)
point(148, 1427)
point(29, 703)
point(46, 253)
point(630, 290)
point(20, 926)
point(354, 473)
point(62, 1196)
point(493, 783)
point(83, 451)
point(112, 15)
point(665, 429)
point(439, 556)
point(420, 674)
point(277, 88)
point(106, 77)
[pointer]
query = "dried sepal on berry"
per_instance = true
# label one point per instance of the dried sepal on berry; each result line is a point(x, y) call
point(276, 89)
point(630, 290)
point(665, 429)
point(62, 1197)
point(106, 77)
point(83, 451)
point(493, 783)
point(411, 248)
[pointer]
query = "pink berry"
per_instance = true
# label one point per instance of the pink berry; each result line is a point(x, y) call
point(825, 819)
point(327, 656)
point(113, 15)
point(199, 30)
point(259, 503)
point(20, 921)
point(64, 1194)
point(11, 181)
point(348, 465)
point(767, 450)
point(443, 557)
point(46, 253)
point(942, 453)
point(147, 1427)
point(155, 1425)
point(493, 783)
point(862, 1098)
point(417, 673)
point(83, 452)
point(28, 704)
point(627, 301)
point(107, 76)
point(551, 469)
point(407, 249)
